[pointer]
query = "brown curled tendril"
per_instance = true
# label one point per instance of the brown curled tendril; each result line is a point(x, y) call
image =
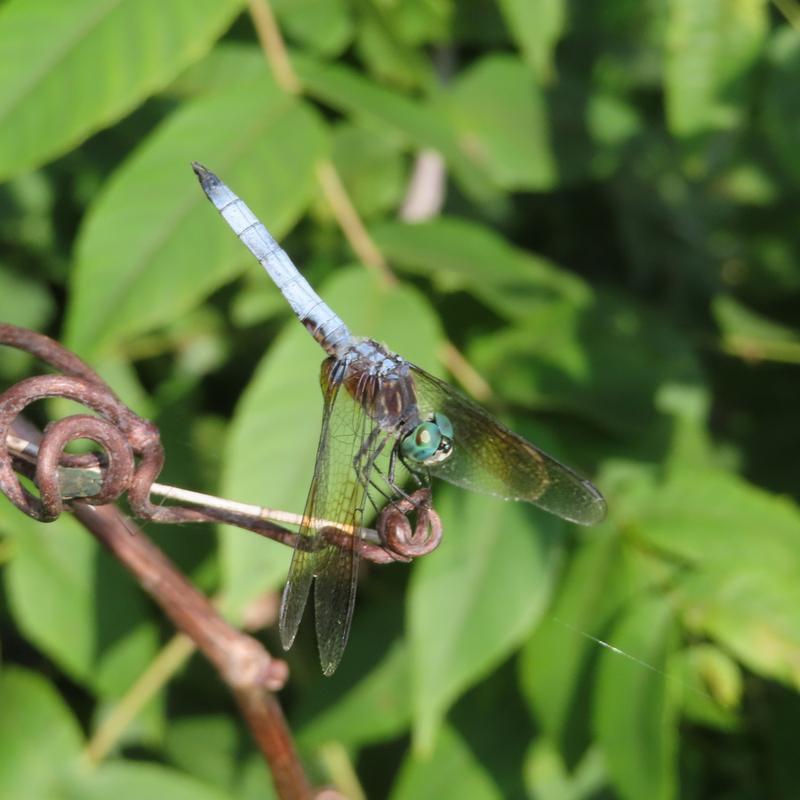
point(396, 532)
point(132, 452)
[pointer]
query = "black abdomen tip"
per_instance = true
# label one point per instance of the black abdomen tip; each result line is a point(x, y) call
point(205, 176)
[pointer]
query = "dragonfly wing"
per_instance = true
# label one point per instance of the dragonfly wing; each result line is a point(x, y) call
point(487, 457)
point(306, 553)
point(334, 510)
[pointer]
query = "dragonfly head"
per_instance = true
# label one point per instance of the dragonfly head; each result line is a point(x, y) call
point(430, 442)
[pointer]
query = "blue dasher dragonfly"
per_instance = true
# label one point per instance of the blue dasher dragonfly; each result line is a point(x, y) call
point(380, 409)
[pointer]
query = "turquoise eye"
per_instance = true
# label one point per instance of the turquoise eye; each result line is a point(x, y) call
point(430, 442)
point(422, 442)
point(444, 425)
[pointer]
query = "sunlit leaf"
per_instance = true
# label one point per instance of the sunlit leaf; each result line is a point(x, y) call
point(451, 769)
point(40, 740)
point(501, 121)
point(598, 582)
point(710, 517)
point(635, 712)
point(87, 63)
point(710, 46)
point(753, 612)
point(152, 246)
point(423, 124)
point(547, 777)
point(206, 746)
point(230, 63)
point(383, 42)
point(713, 685)
point(752, 336)
point(475, 599)
point(459, 255)
point(74, 602)
point(132, 781)
point(536, 26)
point(371, 167)
point(324, 26)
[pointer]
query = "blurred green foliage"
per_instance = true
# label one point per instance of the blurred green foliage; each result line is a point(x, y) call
point(617, 255)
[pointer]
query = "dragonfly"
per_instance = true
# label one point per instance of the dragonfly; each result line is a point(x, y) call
point(382, 414)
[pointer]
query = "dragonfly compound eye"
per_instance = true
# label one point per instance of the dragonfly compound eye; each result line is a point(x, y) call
point(444, 425)
point(430, 442)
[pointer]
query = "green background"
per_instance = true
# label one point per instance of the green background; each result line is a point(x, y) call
point(617, 257)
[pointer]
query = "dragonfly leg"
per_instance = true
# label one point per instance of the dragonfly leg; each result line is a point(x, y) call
point(391, 482)
point(393, 459)
point(364, 464)
point(365, 458)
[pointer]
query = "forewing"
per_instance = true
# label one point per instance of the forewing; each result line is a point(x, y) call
point(335, 502)
point(487, 457)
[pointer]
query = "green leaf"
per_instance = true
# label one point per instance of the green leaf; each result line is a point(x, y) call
point(152, 246)
point(273, 438)
point(230, 63)
point(89, 62)
point(547, 777)
point(709, 517)
point(132, 781)
point(501, 121)
point(451, 769)
point(712, 683)
point(605, 361)
point(323, 26)
point(751, 610)
point(371, 166)
point(710, 47)
point(375, 709)
point(72, 600)
point(205, 746)
point(595, 587)
point(383, 42)
point(350, 92)
point(24, 302)
point(536, 26)
point(422, 124)
point(473, 601)
point(635, 714)
point(460, 255)
point(753, 336)
point(40, 741)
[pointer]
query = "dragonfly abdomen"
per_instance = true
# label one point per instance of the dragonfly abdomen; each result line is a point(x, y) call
point(319, 319)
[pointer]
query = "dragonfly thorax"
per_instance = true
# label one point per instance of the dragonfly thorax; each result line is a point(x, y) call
point(380, 382)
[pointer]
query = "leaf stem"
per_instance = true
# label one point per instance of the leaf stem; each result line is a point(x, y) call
point(464, 372)
point(273, 46)
point(340, 767)
point(171, 658)
point(347, 217)
point(351, 223)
